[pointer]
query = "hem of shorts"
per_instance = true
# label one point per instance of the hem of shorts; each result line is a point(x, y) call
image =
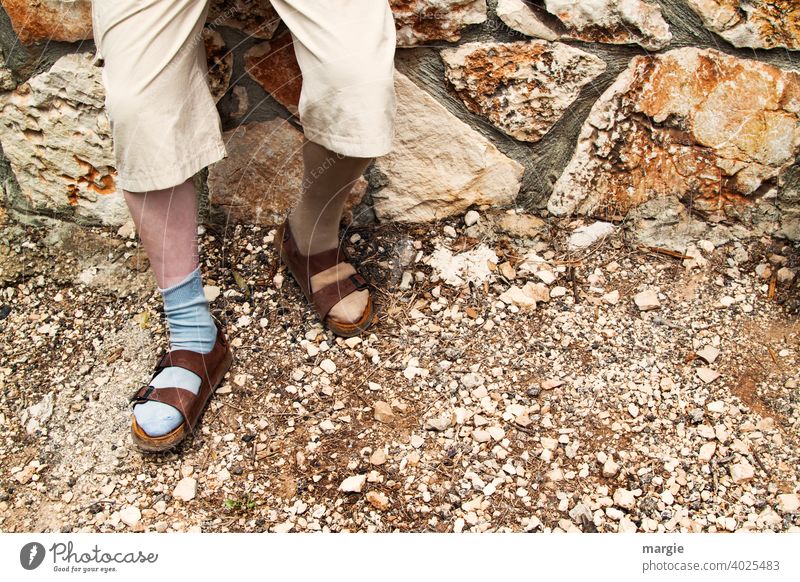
point(347, 146)
point(178, 175)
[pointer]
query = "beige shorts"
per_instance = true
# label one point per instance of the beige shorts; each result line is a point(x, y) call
point(164, 120)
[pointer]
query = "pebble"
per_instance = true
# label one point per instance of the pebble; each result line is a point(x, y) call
point(327, 366)
point(186, 489)
point(610, 468)
point(382, 412)
point(707, 452)
point(353, 484)
point(624, 498)
point(378, 457)
point(788, 502)
point(558, 292)
point(449, 231)
point(708, 353)
point(471, 218)
point(211, 292)
point(612, 297)
point(378, 500)
point(481, 435)
point(586, 235)
point(130, 515)
point(438, 423)
point(647, 300)
point(707, 375)
point(742, 472)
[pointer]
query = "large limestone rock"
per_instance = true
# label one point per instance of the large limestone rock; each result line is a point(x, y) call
point(256, 18)
point(608, 21)
point(750, 23)
point(57, 139)
point(262, 177)
point(524, 87)
point(420, 21)
point(48, 20)
point(716, 131)
point(439, 166)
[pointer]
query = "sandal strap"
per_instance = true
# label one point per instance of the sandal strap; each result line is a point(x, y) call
point(179, 398)
point(324, 299)
point(304, 267)
point(195, 362)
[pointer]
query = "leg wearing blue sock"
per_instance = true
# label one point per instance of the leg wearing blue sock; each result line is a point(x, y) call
point(191, 327)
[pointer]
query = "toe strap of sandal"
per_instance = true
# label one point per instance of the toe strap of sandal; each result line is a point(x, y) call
point(324, 299)
point(180, 398)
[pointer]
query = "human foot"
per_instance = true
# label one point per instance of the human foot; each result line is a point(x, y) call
point(350, 309)
point(328, 282)
point(191, 328)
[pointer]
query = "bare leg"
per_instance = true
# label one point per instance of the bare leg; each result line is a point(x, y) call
point(328, 179)
point(166, 221)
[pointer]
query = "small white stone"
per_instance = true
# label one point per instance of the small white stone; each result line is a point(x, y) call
point(708, 353)
point(185, 489)
point(612, 297)
point(211, 292)
point(707, 452)
point(789, 502)
point(647, 300)
point(558, 292)
point(610, 468)
point(130, 515)
point(667, 497)
point(496, 432)
point(327, 366)
point(481, 435)
point(382, 412)
point(450, 231)
point(707, 375)
point(742, 472)
point(633, 410)
point(353, 484)
point(471, 218)
point(624, 498)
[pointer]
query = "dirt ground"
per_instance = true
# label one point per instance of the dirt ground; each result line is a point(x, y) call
point(585, 413)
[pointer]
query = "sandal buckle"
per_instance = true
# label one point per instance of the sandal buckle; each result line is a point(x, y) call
point(358, 281)
point(143, 397)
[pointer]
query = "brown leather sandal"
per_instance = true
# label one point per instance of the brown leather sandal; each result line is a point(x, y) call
point(304, 267)
point(211, 369)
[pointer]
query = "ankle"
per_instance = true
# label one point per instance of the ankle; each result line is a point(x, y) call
point(313, 237)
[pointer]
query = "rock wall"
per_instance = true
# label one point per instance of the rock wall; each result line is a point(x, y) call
point(610, 108)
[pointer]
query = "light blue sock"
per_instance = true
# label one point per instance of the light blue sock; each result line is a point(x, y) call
point(191, 327)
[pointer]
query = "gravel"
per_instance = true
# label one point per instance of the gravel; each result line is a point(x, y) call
point(576, 411)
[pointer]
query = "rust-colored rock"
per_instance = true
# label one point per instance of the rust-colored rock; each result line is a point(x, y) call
point(745, 23)
point(262, 176)
point(419, 21)
point(523, 87)
point(713, 130)
point(256, 18)
point(273, 66)
point(47, 20)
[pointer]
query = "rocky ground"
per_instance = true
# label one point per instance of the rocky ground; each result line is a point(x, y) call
point(514, 382)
